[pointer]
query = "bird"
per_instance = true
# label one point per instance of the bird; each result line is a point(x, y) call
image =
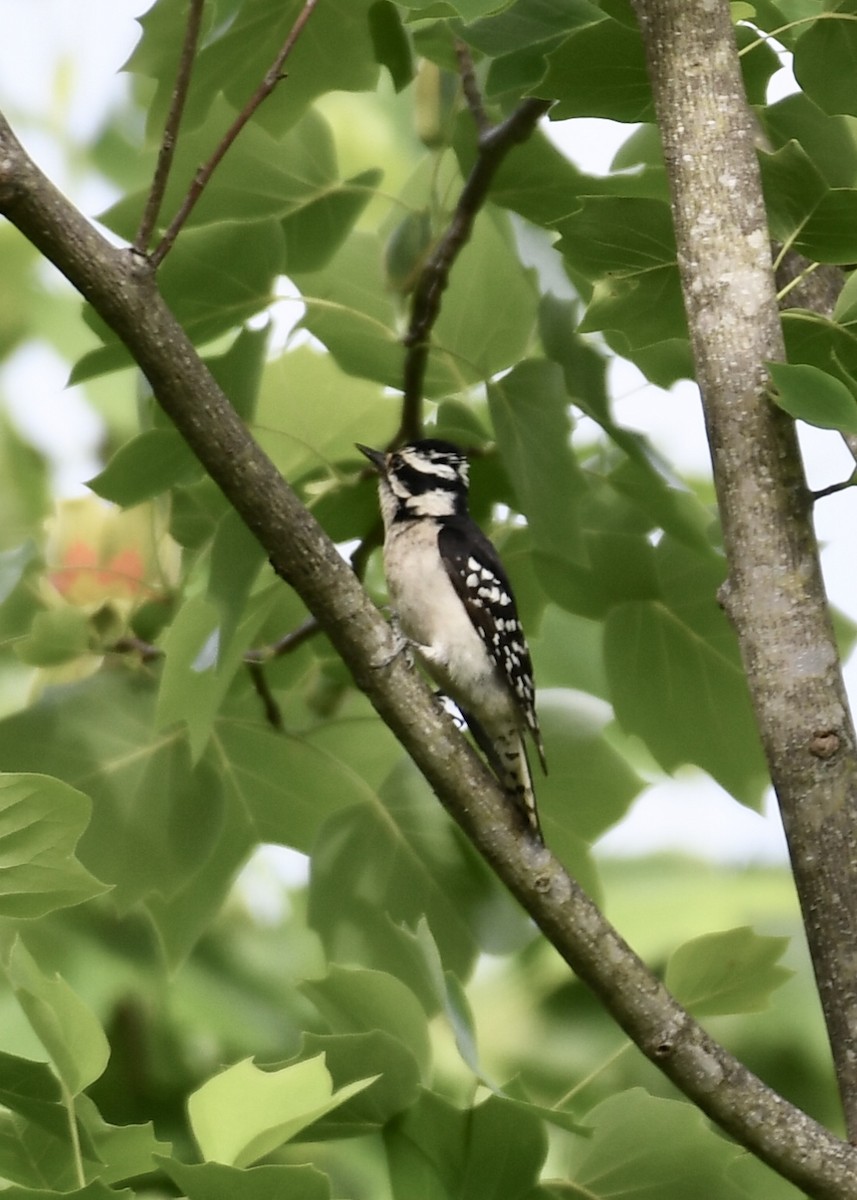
point(455, 606)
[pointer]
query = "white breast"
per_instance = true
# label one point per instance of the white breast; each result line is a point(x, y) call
point(434, 619)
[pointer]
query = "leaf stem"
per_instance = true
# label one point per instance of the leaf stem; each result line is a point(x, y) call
point(74, 1135)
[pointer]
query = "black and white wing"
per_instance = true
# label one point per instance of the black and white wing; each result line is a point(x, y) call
point(480, 580)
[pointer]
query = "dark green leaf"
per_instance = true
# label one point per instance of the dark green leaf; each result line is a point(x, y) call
point(600, 71)
point(529, 409)
point(390, 42)
point(528, 22)
point(824, 59)
point(793, 187)
point(215, 1181)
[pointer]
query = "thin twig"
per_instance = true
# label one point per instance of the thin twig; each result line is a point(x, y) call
point(171, 127)
point(495, 142)
point(470, 87)
point(134, 645)
point(272, 77)
point(273, 713)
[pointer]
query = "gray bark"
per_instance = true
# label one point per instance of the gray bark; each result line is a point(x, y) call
point(775, 594)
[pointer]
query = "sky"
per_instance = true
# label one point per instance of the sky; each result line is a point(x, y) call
point(89, 40)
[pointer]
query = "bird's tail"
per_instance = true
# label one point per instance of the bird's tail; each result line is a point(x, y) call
point(506, 752)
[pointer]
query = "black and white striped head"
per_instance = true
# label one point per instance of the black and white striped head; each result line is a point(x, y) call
point(423, 479)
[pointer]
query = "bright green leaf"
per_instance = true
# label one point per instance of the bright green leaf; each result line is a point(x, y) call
point(244, 1113)
point(72, 1037)
point(814, 396)
point(41, 821)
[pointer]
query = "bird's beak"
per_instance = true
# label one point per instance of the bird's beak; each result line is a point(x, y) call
point(377, 458)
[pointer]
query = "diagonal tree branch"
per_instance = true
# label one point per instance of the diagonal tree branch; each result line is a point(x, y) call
point(121, 287)
point(775, 594)
point(272, 77)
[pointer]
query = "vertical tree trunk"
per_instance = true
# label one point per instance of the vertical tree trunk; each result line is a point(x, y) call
point(774, 595)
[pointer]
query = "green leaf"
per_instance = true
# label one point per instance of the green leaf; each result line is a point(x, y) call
point(626, 247)
point(733, 971)
point(41, 821)
point(582, 763)
point(354, 1000)
point(828, 235)
point(261, 176)
point(72, 1037)
point(682, 691)
point(150, 463)
point(57, 635)
point(32, 1090)
point(351, 1056)
point(599, 71)
point(245, 1113)
point(491, 1152)
point(824, 58)
point(349, 308)
point(618, 235)
point(644, 1148)
point(390, 42)
point(239, 369)
point(201, 658)
point(316, 230)
point(524, 24)
point(215, 1181)
point(529, 410)
point(829, 141)
point(814, 396)
point(792, 186)
point(393, 864)
point(304, 437)
point(214, 278)
point(93, 1191)
point(334, 53)
point(236, 559)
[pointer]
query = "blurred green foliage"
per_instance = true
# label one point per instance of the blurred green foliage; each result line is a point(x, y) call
point(413, 1035)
